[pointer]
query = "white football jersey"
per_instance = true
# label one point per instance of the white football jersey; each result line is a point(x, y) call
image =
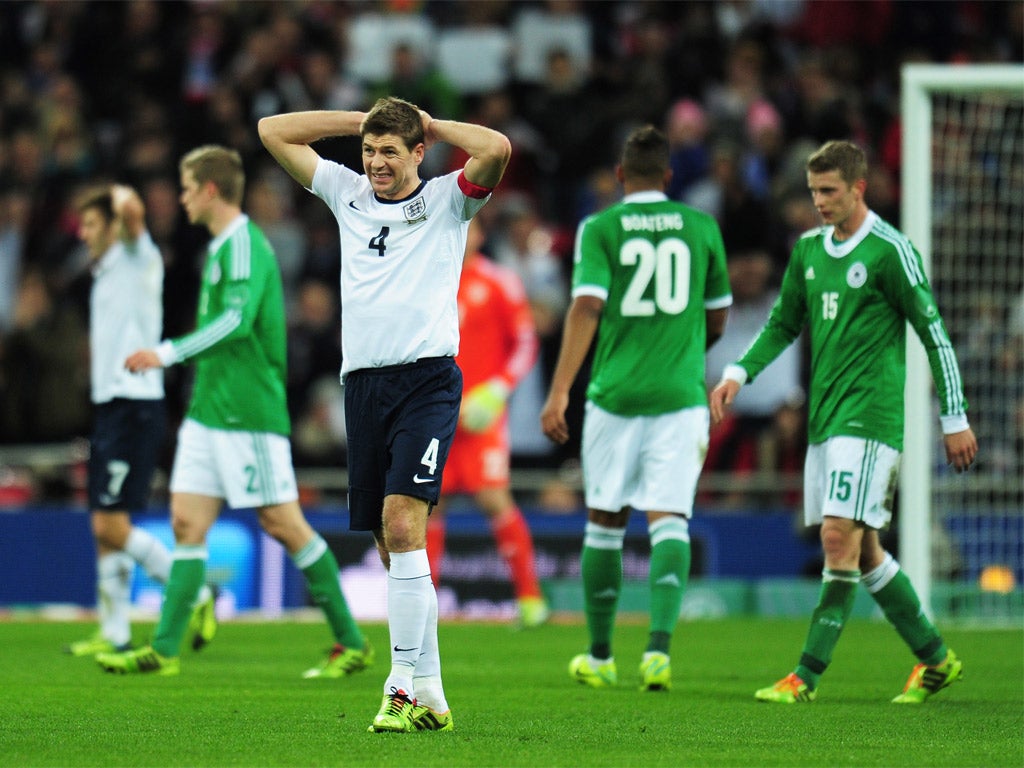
point(400, 265)
point(125, 315)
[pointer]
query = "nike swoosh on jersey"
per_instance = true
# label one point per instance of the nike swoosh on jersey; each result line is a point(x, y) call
point(418, 479)
point(352, 205)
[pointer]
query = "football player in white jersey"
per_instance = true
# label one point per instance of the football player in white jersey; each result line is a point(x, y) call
point(402, 243)
point(126, 312)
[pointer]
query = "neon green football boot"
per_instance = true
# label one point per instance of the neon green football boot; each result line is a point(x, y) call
point(93, 645)
point(341, 662)
point(925, 680)
point(395, 715)
point(203, 622)
point(426, 719)
point(587, 670)
point(655, 672)
point(144, 660)
point(789, 690)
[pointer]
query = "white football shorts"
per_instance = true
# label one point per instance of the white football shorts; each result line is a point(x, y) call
point(649, 463)
point(850, 477)
point(247, 469)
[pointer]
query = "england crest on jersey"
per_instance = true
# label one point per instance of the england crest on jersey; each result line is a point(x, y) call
point(415, 211)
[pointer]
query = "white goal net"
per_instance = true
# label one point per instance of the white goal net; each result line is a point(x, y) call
point(962, 536)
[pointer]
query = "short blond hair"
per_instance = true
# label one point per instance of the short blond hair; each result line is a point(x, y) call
point(843, 156)
point(221, 166)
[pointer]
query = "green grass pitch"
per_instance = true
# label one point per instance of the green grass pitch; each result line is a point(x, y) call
point(241, 702)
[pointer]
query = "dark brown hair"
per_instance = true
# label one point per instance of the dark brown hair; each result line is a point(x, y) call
point(100, 198)
point(645, 154)
point(391, 115)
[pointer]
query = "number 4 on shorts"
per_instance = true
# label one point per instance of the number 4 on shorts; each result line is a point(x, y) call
point(429, 459)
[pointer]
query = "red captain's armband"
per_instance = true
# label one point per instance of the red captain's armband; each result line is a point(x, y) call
point(469, 189)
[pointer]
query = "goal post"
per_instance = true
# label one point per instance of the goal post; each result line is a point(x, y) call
point(945, 110)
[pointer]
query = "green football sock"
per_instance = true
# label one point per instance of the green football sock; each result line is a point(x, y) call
point(669, 573)
point(902, 607)
point(188, 573)
point(317, 563)
point(601, 567)
point(835, 604)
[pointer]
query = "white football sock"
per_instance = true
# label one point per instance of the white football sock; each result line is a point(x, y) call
point(149, 552)
point(114, 586)
point(427, 680)
point(409, 590)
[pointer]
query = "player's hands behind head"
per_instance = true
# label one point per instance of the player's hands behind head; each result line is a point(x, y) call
point(429, 139)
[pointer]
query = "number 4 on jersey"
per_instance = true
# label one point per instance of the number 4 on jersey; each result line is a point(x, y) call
point(377, 243)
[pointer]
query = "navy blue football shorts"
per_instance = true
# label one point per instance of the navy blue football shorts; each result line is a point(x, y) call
point(400, 421)
point(126, 439)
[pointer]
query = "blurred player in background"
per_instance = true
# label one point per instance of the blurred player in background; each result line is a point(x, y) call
point(855, 283)
point(403, 240)
point(233, 445)
point(497, 347)
point(650, 281)
point(125, 313)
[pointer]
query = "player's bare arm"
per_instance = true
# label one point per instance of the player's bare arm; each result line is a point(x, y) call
point(129, 211)
point(143, 360)
point(489, 151)
point(288, 137)
point(581, 323)
point(961, 448)
point(721, 399)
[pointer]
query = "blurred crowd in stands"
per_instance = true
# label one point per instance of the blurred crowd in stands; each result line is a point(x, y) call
point(744, 89)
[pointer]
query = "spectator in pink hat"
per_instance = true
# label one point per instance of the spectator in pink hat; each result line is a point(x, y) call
point(687, 128)
point(765, 142)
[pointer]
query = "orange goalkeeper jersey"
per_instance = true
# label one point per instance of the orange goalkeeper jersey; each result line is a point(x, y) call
point(497, 337)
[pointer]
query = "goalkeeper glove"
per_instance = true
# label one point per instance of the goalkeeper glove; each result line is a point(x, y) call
point(483, 405)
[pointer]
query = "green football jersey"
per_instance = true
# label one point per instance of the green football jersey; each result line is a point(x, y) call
point(658, 265)
point(856, 297)
point(239, 345)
